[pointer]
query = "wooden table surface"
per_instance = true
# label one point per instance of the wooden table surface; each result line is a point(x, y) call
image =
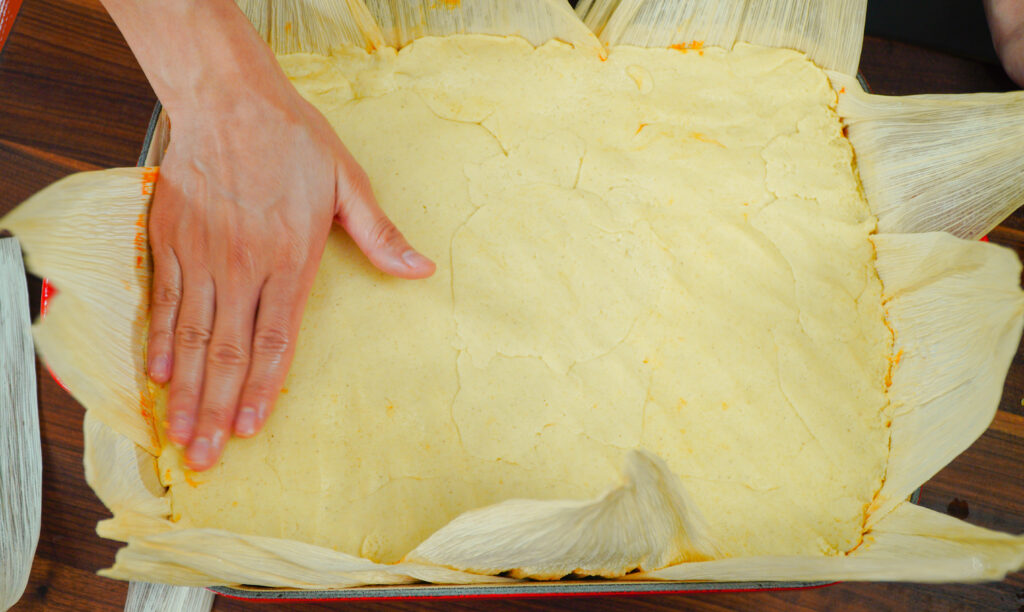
point(73, 98)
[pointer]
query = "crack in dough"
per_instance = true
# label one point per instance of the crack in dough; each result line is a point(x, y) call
point(563, 290)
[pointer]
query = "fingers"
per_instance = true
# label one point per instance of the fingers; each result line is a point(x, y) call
point(164, 303)
point(227, 362)
point(375, 234)
point(192, 335)
point(273, 346)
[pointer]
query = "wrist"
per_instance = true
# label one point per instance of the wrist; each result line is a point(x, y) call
point(227, 91)
point(200, 56)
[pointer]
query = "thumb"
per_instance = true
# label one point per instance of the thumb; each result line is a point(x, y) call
point(1006, 20)
point(375, 235)
point(1013, 56)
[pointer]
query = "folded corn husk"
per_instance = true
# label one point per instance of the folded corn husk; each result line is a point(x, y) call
point(646, 523)
point(927, 294)
point(21, 464)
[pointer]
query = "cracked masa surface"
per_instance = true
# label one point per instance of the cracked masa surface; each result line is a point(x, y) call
point(666, 250)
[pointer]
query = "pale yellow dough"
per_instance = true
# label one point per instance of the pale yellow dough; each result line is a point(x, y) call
point(666, 250)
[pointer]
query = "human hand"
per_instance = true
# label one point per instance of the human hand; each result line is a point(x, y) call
point(249, 187)
point(1006, 19)
point(242, 209)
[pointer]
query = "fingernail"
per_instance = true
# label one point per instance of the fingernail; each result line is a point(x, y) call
point(199, 451)
point(414, 259)
point(245, 426)
point(160, 368)
point(180, 429)
point(217, 442)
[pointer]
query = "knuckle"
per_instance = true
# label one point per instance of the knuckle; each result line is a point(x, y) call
point(298, 251)
point(160, 337)
point(272, 341)
point(167, 296)
point(356, 180)
point(242, 258)
point(262, 389)
point(293, 255)
point(157, 228)
point(183, 398)
point(384, 234)
point(156, 236)
point(228, 354)
point(354, 189)
point(192, 336)
point(218, 413)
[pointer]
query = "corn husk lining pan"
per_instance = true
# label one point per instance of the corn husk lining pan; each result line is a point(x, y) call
point(21, 462)
point(938, 171)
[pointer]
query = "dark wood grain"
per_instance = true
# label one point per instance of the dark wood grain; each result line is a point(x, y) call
point(72, 98)
point(70, 86)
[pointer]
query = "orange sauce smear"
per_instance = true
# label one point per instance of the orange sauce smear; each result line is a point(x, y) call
point(694, 45)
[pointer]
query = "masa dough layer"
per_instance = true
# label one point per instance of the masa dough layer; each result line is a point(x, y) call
point(666, 250)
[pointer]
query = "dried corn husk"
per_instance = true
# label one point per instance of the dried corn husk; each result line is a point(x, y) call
point(204, 557)
point(121, 473)
point(910, 544)
point(312, 26)
point(538, 21)
point(129, 523)
point(648, 522)
point(830, 32)
point(904, 542)
point(145, 597)
point(937, 163)
point(317, 26)
point(21, 464)
point(949, 377)
point(101, 310)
